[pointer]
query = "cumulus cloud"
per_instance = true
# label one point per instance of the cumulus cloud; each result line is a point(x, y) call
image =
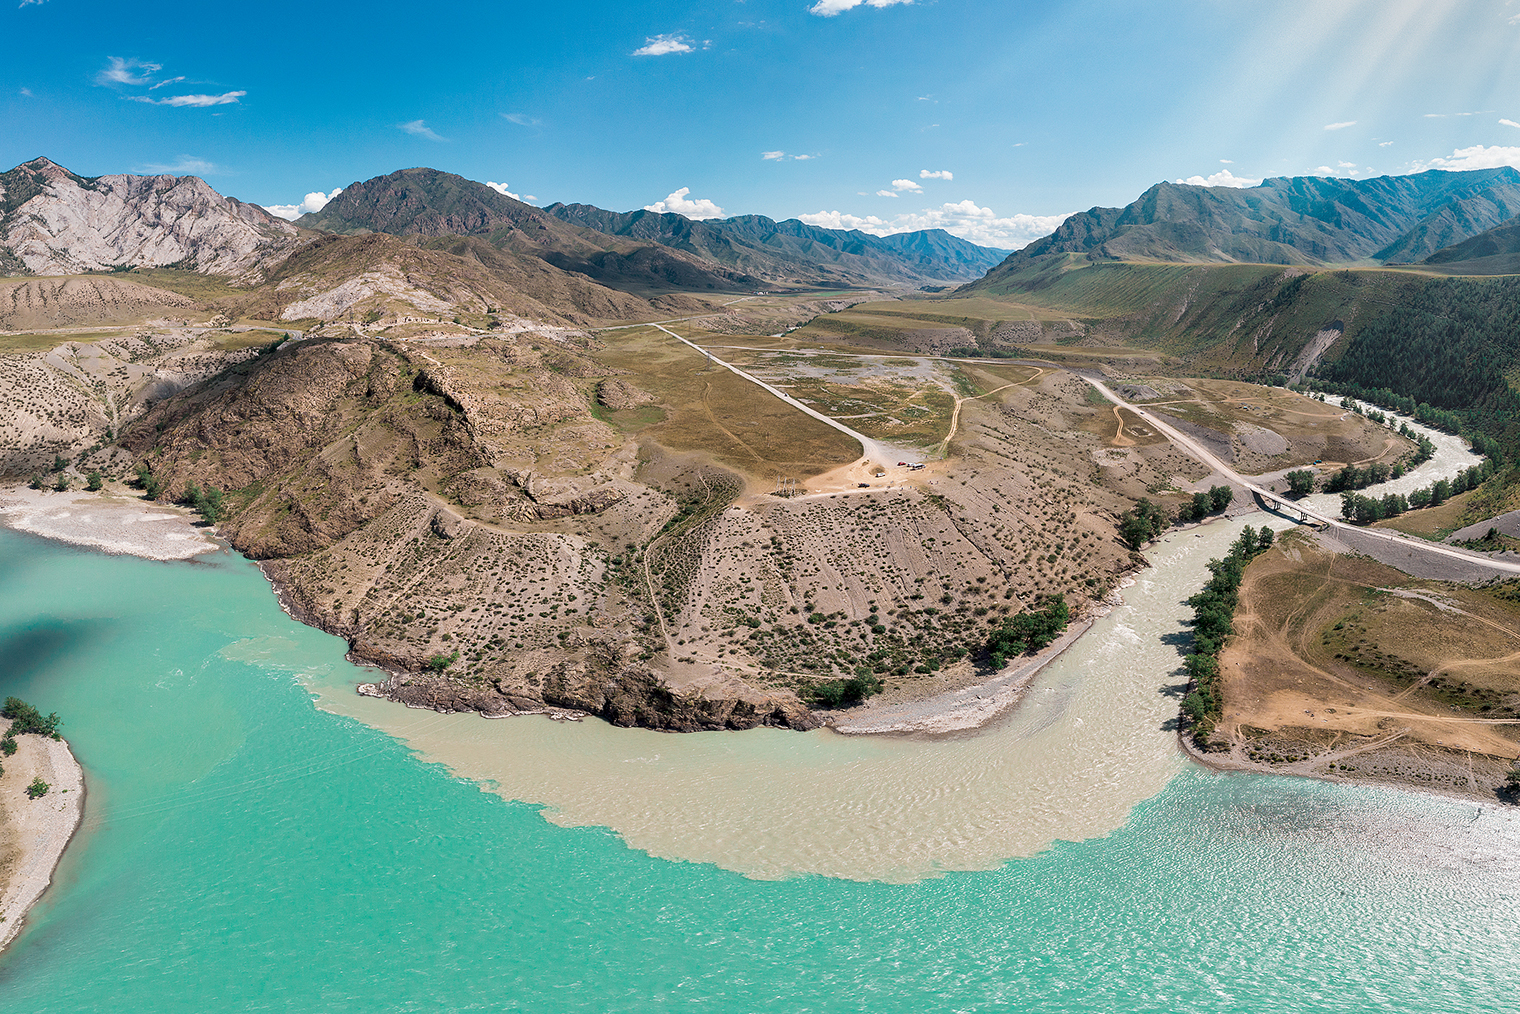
point(829, 8)
point(963, 218)
point(501, 188)
point(937, 174)
point(1509, 123)
point(680, 204)
point(1223, 178)
point(314, 201)
point(1476, 157)
point(908, 185)
point(419, 128)
point(661, 45)
point(1340, 126)
point(773, 156)
point(1384, 144)
point(193, 101)
point(127, 71)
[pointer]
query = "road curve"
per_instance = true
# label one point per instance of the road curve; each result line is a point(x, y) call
point(1203, 454)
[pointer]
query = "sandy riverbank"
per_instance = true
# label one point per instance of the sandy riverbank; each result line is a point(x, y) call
point(963, 709)
point(111, 521)
point(34, 832)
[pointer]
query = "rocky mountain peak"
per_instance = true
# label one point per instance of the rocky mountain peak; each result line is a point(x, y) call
point(54, 222)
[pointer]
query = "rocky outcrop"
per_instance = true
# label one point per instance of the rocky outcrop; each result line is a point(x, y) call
point(632, 697)
point(53, 222)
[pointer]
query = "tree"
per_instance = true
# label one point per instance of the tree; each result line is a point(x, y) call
point(1300, 482)
point(61, 484)
point(60, 462)
point(38, 482)
point(1220, 497)
point(1265, 538)
point(94, 481)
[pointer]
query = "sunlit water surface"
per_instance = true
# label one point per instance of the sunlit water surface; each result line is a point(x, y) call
point(245, 850)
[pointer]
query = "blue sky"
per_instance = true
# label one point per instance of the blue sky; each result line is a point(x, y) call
point(991, 119)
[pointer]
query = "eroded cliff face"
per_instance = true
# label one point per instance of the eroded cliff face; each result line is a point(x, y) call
point(53, 222)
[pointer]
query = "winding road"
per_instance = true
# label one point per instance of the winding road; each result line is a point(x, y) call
point(1203, 454)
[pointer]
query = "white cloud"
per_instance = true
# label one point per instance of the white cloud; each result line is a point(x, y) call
point(1223, 178)
point(803, 158)
point(1346, 165)
point(1509, 123)
point(314, 201)
point(1476, 157)
point(1384, 144)
point(1340, 126)
point(130, 71)
point(964, 219)
point(529, 197)
point(170, 81)
point(907, 185)
point(521, 119)
point(773, 156)
point(829, 8)
point(886, 193)
point(27, 91)
point(660, 45)
point(194, 101)
point(419, 128)
point(678, 203)
point(938, 174)
point(186, 165)
point(1227, 161)
point(501, 188)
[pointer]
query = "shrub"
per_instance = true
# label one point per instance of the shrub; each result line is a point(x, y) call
point(25, 718)
point(8, 744)
point(94, 481)
point(38, 788)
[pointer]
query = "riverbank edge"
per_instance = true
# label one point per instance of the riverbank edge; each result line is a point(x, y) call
point(1225, 764)
point(37, 873)
point(19, 500)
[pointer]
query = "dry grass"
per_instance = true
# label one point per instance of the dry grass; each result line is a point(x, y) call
point(1338, 656)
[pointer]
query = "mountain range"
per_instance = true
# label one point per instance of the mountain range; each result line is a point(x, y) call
point(1308, 220)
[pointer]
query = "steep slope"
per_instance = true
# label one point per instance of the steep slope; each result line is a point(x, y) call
point(53, 222)
point(1292, 220)
point(432, 204)
point(792, 252)
point(1495, 252)
point(383, 280)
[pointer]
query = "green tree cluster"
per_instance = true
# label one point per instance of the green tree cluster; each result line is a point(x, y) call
point(1300, 482)
point(1144, 523)
point(1213, 621)
point(1363, 510)
point(842, 693)
point(207, 502)
point(27, 719)
point(1028, 631)
point(147, 482)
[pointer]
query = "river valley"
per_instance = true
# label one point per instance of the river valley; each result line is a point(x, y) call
point(244, 849)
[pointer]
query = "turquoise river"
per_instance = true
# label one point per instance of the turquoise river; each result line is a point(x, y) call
point(246, 847)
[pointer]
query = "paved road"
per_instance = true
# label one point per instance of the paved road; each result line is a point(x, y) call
point(1202, 453)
